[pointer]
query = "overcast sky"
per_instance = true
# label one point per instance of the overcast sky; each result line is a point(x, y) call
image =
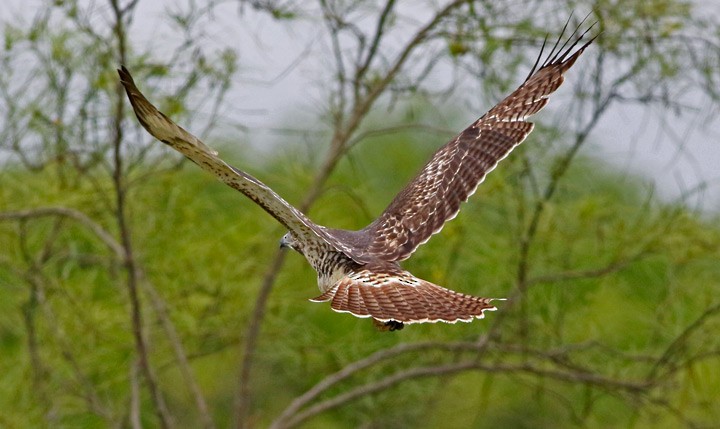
point(272, 85)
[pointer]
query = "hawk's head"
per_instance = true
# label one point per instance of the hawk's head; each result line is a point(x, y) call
point(289, 241)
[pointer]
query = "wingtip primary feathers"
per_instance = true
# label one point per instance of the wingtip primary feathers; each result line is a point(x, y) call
point(563, 55)
point(125, 76)
point(153, 120)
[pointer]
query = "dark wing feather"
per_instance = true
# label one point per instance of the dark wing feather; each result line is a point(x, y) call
point(167, 131)
point(396, 295)
point(456, 169)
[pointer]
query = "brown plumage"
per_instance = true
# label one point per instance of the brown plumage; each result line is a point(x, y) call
point(358, 271)
point(385, 292)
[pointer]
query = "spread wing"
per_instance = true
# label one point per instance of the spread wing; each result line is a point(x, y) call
point(390, 294)
point(456, 169)
point(167, 131)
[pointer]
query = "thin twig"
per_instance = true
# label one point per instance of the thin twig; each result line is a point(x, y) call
point(681, 340)
point(181, 356)
point(582, 274)
point(135, 421)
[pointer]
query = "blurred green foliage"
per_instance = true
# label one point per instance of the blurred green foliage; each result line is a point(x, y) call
point(204, 248)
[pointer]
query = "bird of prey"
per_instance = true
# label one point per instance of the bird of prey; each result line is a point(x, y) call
point(359, 271)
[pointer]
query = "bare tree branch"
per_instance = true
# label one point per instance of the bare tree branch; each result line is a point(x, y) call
point(73, 214)
point(440, 370)
point(385, 354)
point(129, 263)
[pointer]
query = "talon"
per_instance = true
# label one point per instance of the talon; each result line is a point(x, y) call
point(390, 325)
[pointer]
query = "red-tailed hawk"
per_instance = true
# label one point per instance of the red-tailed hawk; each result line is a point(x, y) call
point(359, 271)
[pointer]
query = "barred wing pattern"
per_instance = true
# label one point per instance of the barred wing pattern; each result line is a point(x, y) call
point(167, 131)
point(454, 172)
point(388, 293)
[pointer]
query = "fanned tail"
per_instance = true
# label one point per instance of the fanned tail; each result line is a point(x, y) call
point(401, 297)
